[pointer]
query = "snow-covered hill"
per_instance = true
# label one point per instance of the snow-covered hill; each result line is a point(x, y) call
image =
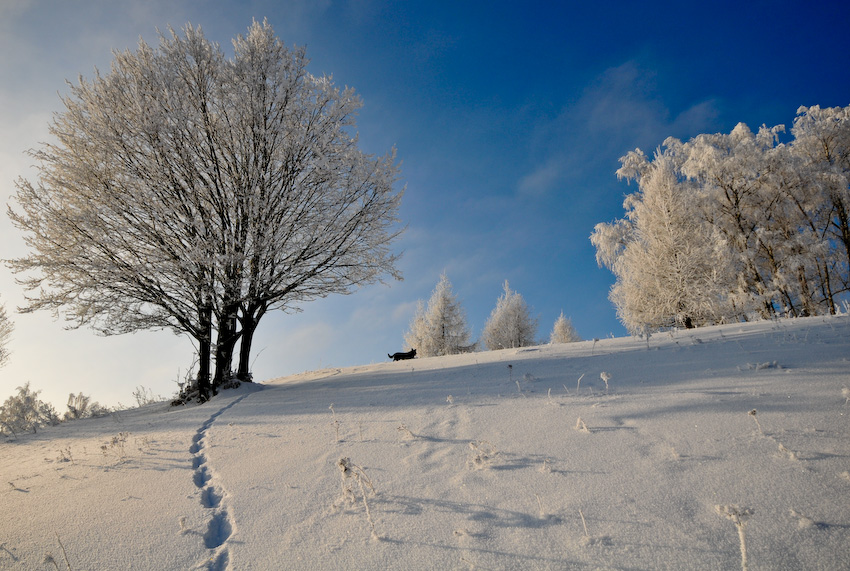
point(514, 459)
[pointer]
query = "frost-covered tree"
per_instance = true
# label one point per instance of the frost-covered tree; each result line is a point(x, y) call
point(665, 258)
point(758, 195)
point(321, 213)
point(510, 324)
point(188, 191)
point(6, 328)
point(734, 226)
point(822, 142)
point(24, 412)
point(563, 331)
point(737, 199)
point(440, 328)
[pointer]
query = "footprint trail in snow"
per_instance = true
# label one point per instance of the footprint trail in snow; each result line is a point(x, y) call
point(220, 525)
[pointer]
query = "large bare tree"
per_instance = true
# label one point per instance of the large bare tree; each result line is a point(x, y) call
point(195, 192)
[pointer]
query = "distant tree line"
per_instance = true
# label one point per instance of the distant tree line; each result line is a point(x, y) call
point(440, 327)
point(730, 227)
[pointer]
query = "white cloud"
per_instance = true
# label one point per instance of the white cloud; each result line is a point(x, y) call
point(543, 178)
point(617, 112)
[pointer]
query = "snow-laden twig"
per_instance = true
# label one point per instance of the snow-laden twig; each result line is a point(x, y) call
point(349, 470)
point(605, 378)
point(581, 426)
point(754, 414)
point(739, 517)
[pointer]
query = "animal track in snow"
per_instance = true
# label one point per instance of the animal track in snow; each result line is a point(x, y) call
point(218, 530)
point(211, 497)
point(220, 525)
point(202, 477)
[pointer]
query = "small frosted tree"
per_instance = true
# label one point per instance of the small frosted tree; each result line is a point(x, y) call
point(510, 324)
point(24, 412)
point(439, 328)
point(6, 328)
point(81, 406)
point(563, 331)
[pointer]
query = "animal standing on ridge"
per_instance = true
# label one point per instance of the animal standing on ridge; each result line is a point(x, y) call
point(402, 356)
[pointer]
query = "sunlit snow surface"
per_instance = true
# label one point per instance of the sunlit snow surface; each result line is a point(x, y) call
point(477, 461)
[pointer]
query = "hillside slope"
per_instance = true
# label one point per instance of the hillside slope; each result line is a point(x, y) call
point(497, 460)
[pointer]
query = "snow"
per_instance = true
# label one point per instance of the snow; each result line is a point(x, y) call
point(474, 463)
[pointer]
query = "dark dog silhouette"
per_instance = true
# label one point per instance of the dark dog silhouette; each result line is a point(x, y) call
point(402, 356)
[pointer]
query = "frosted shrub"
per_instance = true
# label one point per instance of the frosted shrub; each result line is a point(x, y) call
point(578, 383)
point(605, 378)
point(145, 396)
point(115, 447)
point(24, 412)
point(65, 455)
point(350, 471)
point(483, 454)
point(81, 406)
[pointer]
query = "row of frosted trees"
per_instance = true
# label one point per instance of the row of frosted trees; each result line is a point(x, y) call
point(730, 227)
point(440, 327)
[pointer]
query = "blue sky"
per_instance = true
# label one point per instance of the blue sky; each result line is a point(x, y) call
point(508, 117)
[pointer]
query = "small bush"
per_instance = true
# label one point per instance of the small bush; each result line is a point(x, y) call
point(24, 412)
point(145, 396)
point(81, 406)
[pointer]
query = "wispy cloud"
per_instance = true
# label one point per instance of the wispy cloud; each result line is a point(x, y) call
point(617, 112)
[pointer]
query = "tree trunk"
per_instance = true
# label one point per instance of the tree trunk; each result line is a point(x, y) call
point(227, 338)
point(243, 373)
point(204, 351)
point(250, 319)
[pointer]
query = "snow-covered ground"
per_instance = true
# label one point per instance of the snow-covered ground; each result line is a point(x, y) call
point(514, 459)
